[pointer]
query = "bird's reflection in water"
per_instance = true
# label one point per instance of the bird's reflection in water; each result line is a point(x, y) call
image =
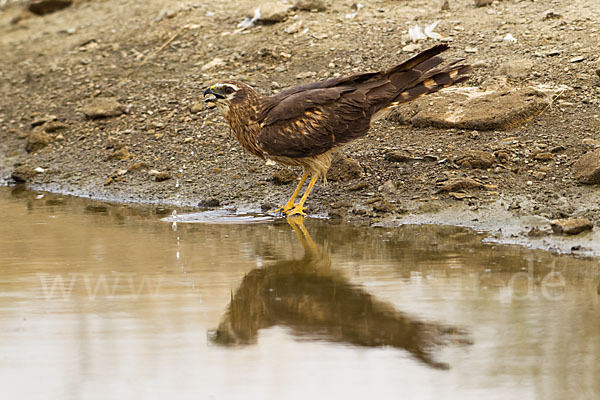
point(317, 303)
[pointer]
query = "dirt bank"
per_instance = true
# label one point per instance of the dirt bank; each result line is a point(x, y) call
point(143, 65)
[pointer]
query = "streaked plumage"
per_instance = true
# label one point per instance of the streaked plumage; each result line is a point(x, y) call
point(302, 125)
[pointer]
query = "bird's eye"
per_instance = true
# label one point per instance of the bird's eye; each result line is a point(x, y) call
point(227, 90)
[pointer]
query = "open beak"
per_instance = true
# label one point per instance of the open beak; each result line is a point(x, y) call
point(215, 97)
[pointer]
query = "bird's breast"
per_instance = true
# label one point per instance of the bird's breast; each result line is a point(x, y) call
point(247, 135)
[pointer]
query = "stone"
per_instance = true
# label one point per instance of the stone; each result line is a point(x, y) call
point(120, 154)
point(266, 206)
point(536, 232)
point(544, 156)
point(293, 28)
point(43, 7)
point(273, 11)
point(54, 126)
point(383, 207)
point(284, 176)
point(461, 195)
point(37, 140)
point(571, 226)
point(344, 169)
point(162, 176)
point(483, 3)
point(336, 214)
point(306, 75)
point(103, 107)
point(456, 184)
point(215, 63)
point(502, 156)
point(41, 120)
point(475, 109)
point(309, 5)
point(196, 107)
point(551, 14)
point(358, 186)
point(356, 60)
point(589, 142)
point(211, 203)
point(398, 156)
point(113, 142)
point(138, 165)
point(577, 59)
point(476, 159)
point(480, 64)
point(341, 204)
point(170, 11)
point(387, 189)
point(411, 48)
point(23, 174)
point(539, 175)
point(19, 133)
point(520, 68)
point(587, 169)
point(598, 72)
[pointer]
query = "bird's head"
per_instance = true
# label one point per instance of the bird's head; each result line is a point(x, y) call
point(223, 95)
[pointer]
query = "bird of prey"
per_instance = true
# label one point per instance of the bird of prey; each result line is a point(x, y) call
point(301, 126)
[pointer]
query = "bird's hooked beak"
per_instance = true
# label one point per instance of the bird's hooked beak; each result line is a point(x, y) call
point(216, 97)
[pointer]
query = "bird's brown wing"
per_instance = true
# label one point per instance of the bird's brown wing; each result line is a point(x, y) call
point(312, 122)
point(404, 72)
point(310, 119)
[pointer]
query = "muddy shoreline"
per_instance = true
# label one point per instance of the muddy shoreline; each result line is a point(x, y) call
point(497, 224)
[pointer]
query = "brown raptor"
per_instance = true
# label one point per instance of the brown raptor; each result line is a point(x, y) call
point(302, 125)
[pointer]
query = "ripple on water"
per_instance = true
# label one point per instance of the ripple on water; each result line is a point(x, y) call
point(221, 216)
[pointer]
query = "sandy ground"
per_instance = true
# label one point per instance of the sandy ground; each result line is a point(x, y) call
point(154, 58)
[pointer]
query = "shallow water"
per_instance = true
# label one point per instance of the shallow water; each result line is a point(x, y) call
point(113, 301)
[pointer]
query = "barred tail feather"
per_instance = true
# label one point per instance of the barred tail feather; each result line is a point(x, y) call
point(431, 83)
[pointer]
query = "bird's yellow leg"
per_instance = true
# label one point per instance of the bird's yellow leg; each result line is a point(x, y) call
point(290, 204)
point(298, 209)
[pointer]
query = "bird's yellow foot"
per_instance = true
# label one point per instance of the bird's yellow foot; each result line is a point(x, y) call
point(297, 209)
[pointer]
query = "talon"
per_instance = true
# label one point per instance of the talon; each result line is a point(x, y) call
point(280, 210)
point(296, 210)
